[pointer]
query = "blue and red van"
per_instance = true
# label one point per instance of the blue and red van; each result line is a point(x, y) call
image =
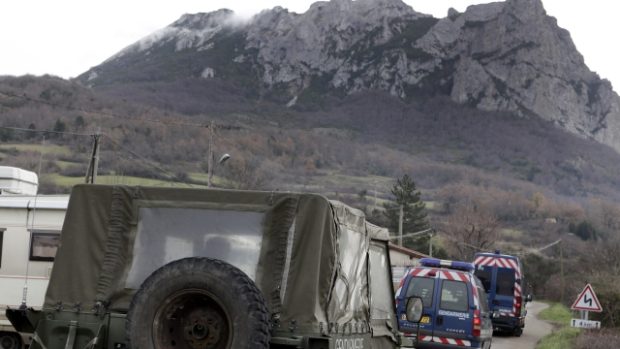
point(455, 314)
point(503, 280)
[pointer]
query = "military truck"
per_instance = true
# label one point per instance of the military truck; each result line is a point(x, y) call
point(159, 268)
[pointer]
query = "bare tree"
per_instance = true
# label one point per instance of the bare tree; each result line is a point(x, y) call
point(245, 174)
point(471, 228)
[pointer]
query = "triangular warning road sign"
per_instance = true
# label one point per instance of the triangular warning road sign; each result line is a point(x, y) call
point(587, 301)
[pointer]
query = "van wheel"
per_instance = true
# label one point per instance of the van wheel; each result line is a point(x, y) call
point(198, 303)
point(9, 340)
point(517, 332)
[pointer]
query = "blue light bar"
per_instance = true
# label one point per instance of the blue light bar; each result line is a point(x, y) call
point(442, 263)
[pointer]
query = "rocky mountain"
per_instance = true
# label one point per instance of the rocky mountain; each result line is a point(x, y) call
point(505, 56)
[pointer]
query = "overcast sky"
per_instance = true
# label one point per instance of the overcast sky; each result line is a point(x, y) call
point(67, 37)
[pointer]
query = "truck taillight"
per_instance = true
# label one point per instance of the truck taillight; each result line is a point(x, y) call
point(477, 323)
point(518, 301)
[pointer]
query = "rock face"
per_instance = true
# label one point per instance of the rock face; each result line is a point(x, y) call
point(512, 56)
point(504, 56)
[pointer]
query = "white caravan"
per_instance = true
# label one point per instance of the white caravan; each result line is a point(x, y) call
point(30, 227)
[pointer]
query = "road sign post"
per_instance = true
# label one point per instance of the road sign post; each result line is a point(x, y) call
point(589, 324)
point(586, 302)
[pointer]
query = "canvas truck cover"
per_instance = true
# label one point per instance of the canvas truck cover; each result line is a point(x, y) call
point(307, 255)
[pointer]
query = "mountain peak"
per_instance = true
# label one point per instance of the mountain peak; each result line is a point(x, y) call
point(347, 4)
point(501, 56)
point(526, 9)
point(200, 21)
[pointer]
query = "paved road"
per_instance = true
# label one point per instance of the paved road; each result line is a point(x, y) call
point(534, 330)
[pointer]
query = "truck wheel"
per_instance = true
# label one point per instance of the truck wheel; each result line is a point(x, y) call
point(198, 303)
point(9, 340)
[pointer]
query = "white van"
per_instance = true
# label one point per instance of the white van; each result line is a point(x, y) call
point(30, 227)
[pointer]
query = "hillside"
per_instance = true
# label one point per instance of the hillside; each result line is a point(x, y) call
point(438, 140)
point(458, 156)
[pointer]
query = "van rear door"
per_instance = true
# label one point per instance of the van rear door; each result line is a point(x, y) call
point(454, 313)
point(424, 287)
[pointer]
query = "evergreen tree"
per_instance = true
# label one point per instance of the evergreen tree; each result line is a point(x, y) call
point(59, 126)
point(414, 214)
point(31, 135)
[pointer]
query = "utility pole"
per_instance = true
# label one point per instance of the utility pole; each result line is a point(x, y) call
point(210, 155)
point(400, 226)
point(93, 165)
point(430, 244)
point(561, 273)
point(375, 193)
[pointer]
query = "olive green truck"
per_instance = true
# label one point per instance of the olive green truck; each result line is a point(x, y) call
point(212, 269)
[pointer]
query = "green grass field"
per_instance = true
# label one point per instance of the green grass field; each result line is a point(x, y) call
point(557, 314)
point(511, 233)
point(562, 338)
point(64, 181)
point(48, 149)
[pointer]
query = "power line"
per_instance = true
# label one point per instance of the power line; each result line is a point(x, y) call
point(139, 157)
point(425, 231)
point(547, 246)
point(21, 129)
point(146, 161)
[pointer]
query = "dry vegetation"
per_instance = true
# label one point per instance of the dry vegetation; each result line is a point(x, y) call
point(495, 180)
point(598, 340)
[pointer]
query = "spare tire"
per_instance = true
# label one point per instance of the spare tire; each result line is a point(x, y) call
point(198, 303)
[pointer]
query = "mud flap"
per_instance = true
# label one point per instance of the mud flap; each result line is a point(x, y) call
point(20, 320)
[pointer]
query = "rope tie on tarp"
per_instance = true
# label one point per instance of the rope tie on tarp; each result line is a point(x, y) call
point(117, 241)
point(283, 230)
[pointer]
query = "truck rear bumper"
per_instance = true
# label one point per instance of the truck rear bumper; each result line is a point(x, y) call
point(507, 323)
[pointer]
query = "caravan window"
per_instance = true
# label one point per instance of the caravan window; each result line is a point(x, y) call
point(43, 245)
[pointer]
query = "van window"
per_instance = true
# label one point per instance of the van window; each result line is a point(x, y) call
point(485, 274)
point(482, 295)
point(505, 281)
point(454, 296)
point(423, 288)
point(1, 238)
point(382, 305)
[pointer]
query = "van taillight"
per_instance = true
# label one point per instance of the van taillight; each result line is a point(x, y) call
point(518, 306)
point(477, 323)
